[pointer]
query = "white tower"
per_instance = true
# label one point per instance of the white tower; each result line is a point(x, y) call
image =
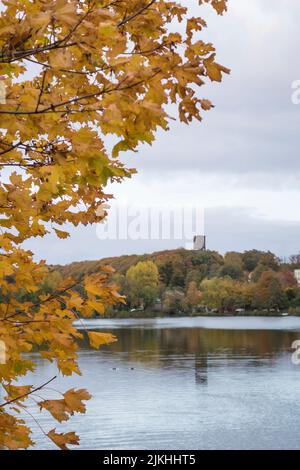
point(200, 242)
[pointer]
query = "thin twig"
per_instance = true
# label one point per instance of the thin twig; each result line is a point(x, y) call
point(42, 90)
point(129, 18)
point(28, 393)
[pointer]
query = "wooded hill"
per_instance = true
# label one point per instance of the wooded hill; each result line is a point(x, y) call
point(174, 264)
point(177, 281)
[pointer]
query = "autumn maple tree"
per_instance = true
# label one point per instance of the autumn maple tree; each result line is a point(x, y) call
point(76, 71)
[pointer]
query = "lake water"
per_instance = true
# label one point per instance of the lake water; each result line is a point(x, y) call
point(186, 383)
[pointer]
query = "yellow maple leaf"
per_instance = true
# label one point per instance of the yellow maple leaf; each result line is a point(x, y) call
point(98, 339)
point(62, 440)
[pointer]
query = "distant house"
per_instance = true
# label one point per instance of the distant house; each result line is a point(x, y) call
point(239, 310)
point(297, 275)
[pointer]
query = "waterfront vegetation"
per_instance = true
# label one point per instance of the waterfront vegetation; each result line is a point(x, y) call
point(188, 282)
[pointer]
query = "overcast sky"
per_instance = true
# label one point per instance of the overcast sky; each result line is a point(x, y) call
point(241, 164)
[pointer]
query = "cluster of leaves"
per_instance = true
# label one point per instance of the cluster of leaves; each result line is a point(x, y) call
point(76, 71)
point(46, 323)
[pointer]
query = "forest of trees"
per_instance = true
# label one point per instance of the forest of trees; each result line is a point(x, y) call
point(190, 282)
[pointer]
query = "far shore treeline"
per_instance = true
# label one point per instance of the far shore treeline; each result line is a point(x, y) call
point(188, 282)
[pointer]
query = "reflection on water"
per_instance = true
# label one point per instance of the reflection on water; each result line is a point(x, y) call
point(178, 385)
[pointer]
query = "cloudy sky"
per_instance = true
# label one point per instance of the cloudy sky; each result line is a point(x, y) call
point(241, 164)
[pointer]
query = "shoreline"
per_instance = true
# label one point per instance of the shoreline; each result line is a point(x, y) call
point(150, 314)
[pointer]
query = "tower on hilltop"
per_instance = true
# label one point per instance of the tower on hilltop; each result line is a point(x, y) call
point(200, 242)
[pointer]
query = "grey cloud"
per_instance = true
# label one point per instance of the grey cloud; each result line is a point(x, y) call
point(254, 128)
point(227, 229)
point(240, 229)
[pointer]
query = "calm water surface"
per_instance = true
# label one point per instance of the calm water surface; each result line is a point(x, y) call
point(186, 383)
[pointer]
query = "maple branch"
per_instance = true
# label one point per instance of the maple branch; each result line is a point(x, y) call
point(52, 107)
point(51, 111)
point(11, 147)
point(34, 419)
point(149, 51)
point(99, 68)
point(27, 147)
point(41, 91)
point(19, 55)
point(129, 18)
point(23, 54)
point(18, 323)
point(25, 165)
point(80, 72)
point(53, 296)
point(28, 393)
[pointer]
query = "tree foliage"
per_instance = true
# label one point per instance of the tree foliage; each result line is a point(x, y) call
point(192, 267)
point(270, 292)
point(75, 72)
point(223, 294)
point(142, 284)
point(193, 296)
